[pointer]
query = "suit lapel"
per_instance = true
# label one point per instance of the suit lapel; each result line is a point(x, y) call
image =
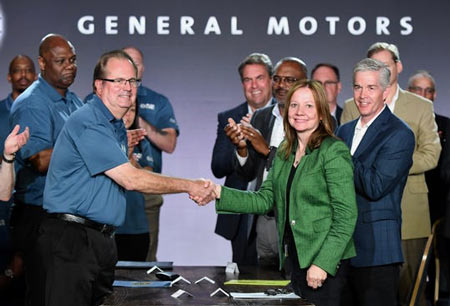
point(372, 132)
point(350, 127)
point(271, 119)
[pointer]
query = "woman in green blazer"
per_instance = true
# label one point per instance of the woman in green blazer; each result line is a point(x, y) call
point(311, 187)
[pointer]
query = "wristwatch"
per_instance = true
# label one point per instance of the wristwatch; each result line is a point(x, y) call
point(9, 161)
point(9, 273)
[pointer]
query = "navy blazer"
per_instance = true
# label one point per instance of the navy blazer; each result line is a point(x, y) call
point(438, 179)
point(381, 165)
point(338, 114)
point(222, 166)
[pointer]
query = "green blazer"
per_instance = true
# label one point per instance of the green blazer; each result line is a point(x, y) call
point(322, 212)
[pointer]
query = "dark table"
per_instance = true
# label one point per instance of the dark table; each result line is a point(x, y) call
point(201, 291)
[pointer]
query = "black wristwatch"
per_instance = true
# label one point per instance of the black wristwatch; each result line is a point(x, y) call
point(9, 273)
point(9, 161)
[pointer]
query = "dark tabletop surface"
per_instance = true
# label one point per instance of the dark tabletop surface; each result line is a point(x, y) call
point(201, 291)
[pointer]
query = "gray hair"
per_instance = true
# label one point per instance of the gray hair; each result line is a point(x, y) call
point(369, 64)
point(380, 46)
point(256, 59)
point(292, 59)
point(421, 74)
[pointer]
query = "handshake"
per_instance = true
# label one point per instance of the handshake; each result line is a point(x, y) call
point(204, 191)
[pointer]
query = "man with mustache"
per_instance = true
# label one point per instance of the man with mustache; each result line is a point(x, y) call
point(44, 107)
point(254, 157)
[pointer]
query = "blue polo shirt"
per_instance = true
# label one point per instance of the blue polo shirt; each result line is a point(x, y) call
point(91, 142)
point(5, 207)
point(44, 111)
point(135, 217)
point(5, 106)
point(156, 109)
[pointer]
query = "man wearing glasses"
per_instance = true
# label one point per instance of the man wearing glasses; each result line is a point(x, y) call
point(328, 75)
point(253, 160)
point(84, 194)
point(438, 179)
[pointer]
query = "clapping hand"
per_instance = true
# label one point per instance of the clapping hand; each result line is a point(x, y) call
point(234, 133)
point(134, 136)
point(257, 140)
point(15, 141)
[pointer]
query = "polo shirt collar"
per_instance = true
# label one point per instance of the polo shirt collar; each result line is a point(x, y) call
point(9, 101)
point(98, 103)
point(51, 92)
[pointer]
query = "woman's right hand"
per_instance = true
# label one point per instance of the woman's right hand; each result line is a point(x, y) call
point(217, 190)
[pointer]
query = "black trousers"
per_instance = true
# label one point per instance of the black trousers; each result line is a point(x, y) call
point(25, 222)
point(244, 245)
point(330, 292)
point(372, 286)
point(132, 247)
point(75, 265)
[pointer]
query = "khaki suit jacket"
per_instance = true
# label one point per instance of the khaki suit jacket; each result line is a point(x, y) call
point(418, 113)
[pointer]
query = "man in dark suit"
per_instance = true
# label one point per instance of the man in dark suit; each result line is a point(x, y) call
point(382, 146)
point(329, 76)
point(418, 113)
point(255, 72)
point(263, 136)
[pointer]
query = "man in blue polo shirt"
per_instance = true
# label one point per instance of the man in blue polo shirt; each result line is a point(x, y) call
point(158, 119)
point(44, 107)
point(84, 192)
point(21, 75)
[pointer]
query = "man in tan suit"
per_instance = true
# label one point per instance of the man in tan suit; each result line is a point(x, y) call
point(418, 113)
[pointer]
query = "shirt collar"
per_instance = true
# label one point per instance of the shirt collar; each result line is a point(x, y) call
point(51, 92)
point(276, 112)
point(9, 101)
point(366, 126)
point(394, 99)
point(269, 103)
point(98, 103)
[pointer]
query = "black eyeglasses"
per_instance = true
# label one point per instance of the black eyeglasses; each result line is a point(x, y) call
point(280, 79)
point(122, 82)
point(421, 91)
